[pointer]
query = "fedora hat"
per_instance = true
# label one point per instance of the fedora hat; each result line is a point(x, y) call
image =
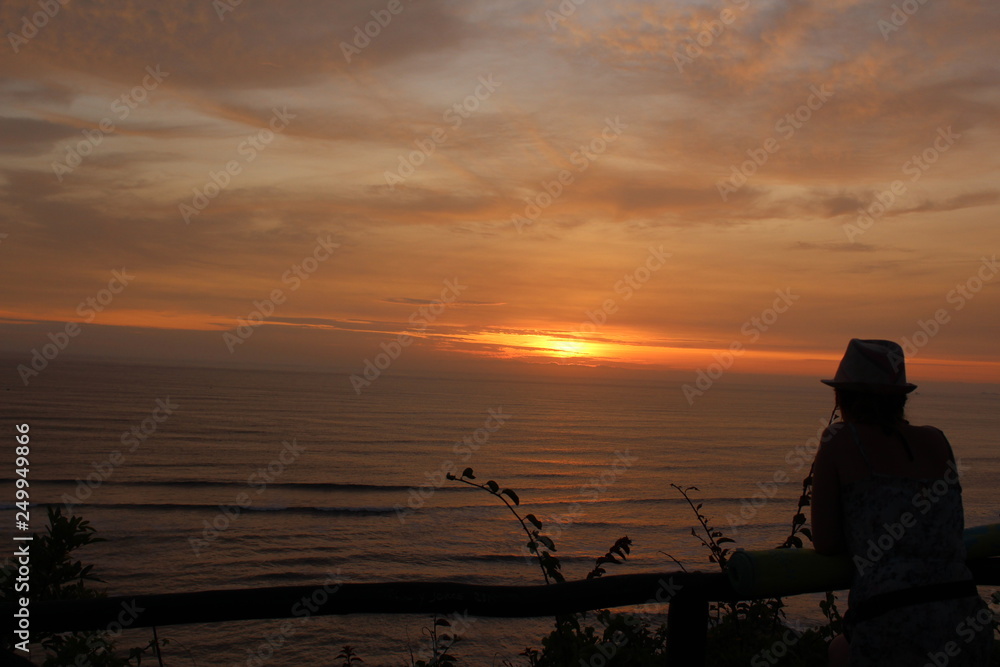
point(872, 366)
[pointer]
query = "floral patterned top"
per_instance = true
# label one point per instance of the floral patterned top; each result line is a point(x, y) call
point(903, 532)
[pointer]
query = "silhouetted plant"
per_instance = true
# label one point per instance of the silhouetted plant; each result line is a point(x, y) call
point(57, 575)
point(834, 622)
point(440, 645)
point(799, 519)
point(743, 631)
point(834, 625)
point(622, 547)
point(549, 564)
point(348, 656)
point(714, 539)
point(573, 642)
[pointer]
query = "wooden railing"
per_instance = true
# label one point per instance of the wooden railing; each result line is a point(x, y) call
point(687, 594)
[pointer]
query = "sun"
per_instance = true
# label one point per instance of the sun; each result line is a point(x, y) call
point(538, 345)
point(563, 347)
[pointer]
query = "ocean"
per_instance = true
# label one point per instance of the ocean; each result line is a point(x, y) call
point(204, 478)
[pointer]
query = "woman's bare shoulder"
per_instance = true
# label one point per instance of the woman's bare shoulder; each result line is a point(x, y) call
point(928, 437)
point(926, 432)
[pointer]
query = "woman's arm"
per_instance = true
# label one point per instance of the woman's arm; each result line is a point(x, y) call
point(827, 516)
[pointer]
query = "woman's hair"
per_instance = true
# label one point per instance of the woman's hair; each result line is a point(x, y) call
point(885, 410)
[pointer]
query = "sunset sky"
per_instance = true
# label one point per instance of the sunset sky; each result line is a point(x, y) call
point(580, 183)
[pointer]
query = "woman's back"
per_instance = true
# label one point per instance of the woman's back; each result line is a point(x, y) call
point(902, 516)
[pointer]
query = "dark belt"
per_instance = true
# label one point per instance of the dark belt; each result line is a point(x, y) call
point(886, 602)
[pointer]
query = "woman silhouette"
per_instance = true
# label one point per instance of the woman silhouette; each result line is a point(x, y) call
point(887, 494)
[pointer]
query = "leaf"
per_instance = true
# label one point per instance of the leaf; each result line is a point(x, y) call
point(492, 486)
point(533, 547)
point(513, 496)
point(442, 621)
point(799, 519)
point(534, 521)
point(449, 476)
point(808, 533)
point(547, 541)
point(723, 540)
point(468, 473)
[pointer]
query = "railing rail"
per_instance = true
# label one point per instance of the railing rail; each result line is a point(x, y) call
point(688, 595)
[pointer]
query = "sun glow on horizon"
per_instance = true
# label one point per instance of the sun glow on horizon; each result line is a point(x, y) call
point(568, 347)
